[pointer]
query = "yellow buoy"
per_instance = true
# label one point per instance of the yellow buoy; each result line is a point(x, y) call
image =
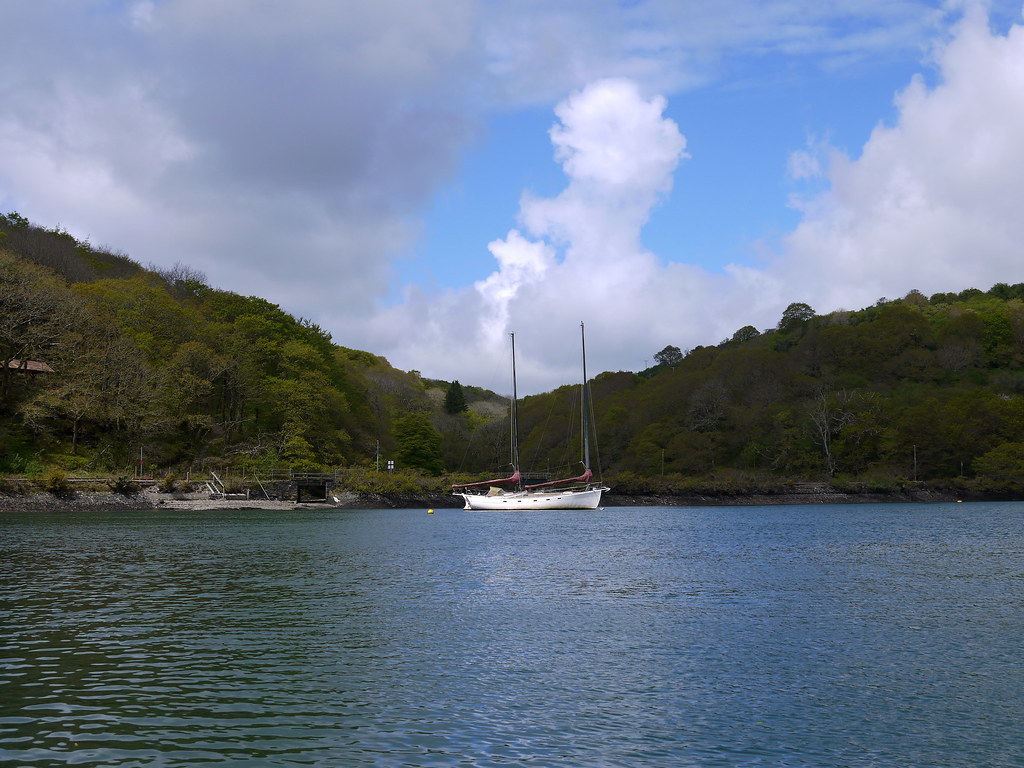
point(430, 511)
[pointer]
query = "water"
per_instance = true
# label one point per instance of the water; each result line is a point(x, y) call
point(885, 635)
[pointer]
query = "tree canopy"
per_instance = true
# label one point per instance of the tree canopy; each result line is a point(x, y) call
point(795, 315)
point(455, 399)
point(670, 355)
point(418, 443)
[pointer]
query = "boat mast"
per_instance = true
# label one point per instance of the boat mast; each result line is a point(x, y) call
point(585, 420)
point(514, 431)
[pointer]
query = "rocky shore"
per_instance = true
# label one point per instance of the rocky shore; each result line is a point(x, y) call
point(809, 493)
point(150, 498)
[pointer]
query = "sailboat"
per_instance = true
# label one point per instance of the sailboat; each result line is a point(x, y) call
point(580, 492)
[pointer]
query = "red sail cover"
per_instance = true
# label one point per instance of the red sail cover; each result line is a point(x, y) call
point(586, 477)
point(513, 478)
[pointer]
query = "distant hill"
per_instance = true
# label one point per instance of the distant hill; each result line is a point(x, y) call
point(156, 362)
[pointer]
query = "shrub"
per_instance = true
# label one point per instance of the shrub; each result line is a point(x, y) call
point(406, 482)
point(123, 485)
point(56, 482)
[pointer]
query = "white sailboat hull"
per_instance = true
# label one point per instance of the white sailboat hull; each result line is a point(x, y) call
point(583, 498)
point(567, 493)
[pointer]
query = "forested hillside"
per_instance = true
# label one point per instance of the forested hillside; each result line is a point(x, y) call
point(104, 363)
point(912, 389)
point(158, 367)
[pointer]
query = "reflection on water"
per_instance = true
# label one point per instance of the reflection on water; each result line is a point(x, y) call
point(801, 636)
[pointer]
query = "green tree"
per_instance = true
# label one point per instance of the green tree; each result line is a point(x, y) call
point(295, 448)
point(418, 443)
point(455, 399)
point(14, 220)
point(146, 312)
point(36, 312)
point(669, 356)
point(103, 385)
point(1003, 465)
point(746, 333)
point(795, 316)
point(302, 402)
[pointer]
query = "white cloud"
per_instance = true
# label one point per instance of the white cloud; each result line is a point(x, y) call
point(580, 258)
point(933, 201)
point(272, 149)
point(521, 262)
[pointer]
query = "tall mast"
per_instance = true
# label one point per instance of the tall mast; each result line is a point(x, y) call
point(514, 432)
point(585, 420)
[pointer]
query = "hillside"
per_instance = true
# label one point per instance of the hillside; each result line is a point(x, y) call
point(155, 366)
point(908, 390)
point(158, 367)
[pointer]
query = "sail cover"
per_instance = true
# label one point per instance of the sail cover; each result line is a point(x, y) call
point(514, 478)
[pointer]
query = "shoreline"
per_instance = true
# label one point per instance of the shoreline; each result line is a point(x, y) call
point(151, 499)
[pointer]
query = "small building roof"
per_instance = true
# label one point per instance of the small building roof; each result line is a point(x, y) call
point(32, 366)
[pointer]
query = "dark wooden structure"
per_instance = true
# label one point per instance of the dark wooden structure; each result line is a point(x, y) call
point(304, 486)
point(314, 484)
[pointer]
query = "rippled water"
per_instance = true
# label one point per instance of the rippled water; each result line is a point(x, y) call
point(887, 635)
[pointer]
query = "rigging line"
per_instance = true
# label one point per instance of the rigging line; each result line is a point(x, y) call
point(593, 426)
point(514, 411)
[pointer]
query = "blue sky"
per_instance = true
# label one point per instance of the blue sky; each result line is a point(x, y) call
point(731, 191)
point(389, 170)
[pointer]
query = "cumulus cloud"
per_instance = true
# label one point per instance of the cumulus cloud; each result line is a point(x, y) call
point(932, 203)
point(578, 256)
point(618, 152)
